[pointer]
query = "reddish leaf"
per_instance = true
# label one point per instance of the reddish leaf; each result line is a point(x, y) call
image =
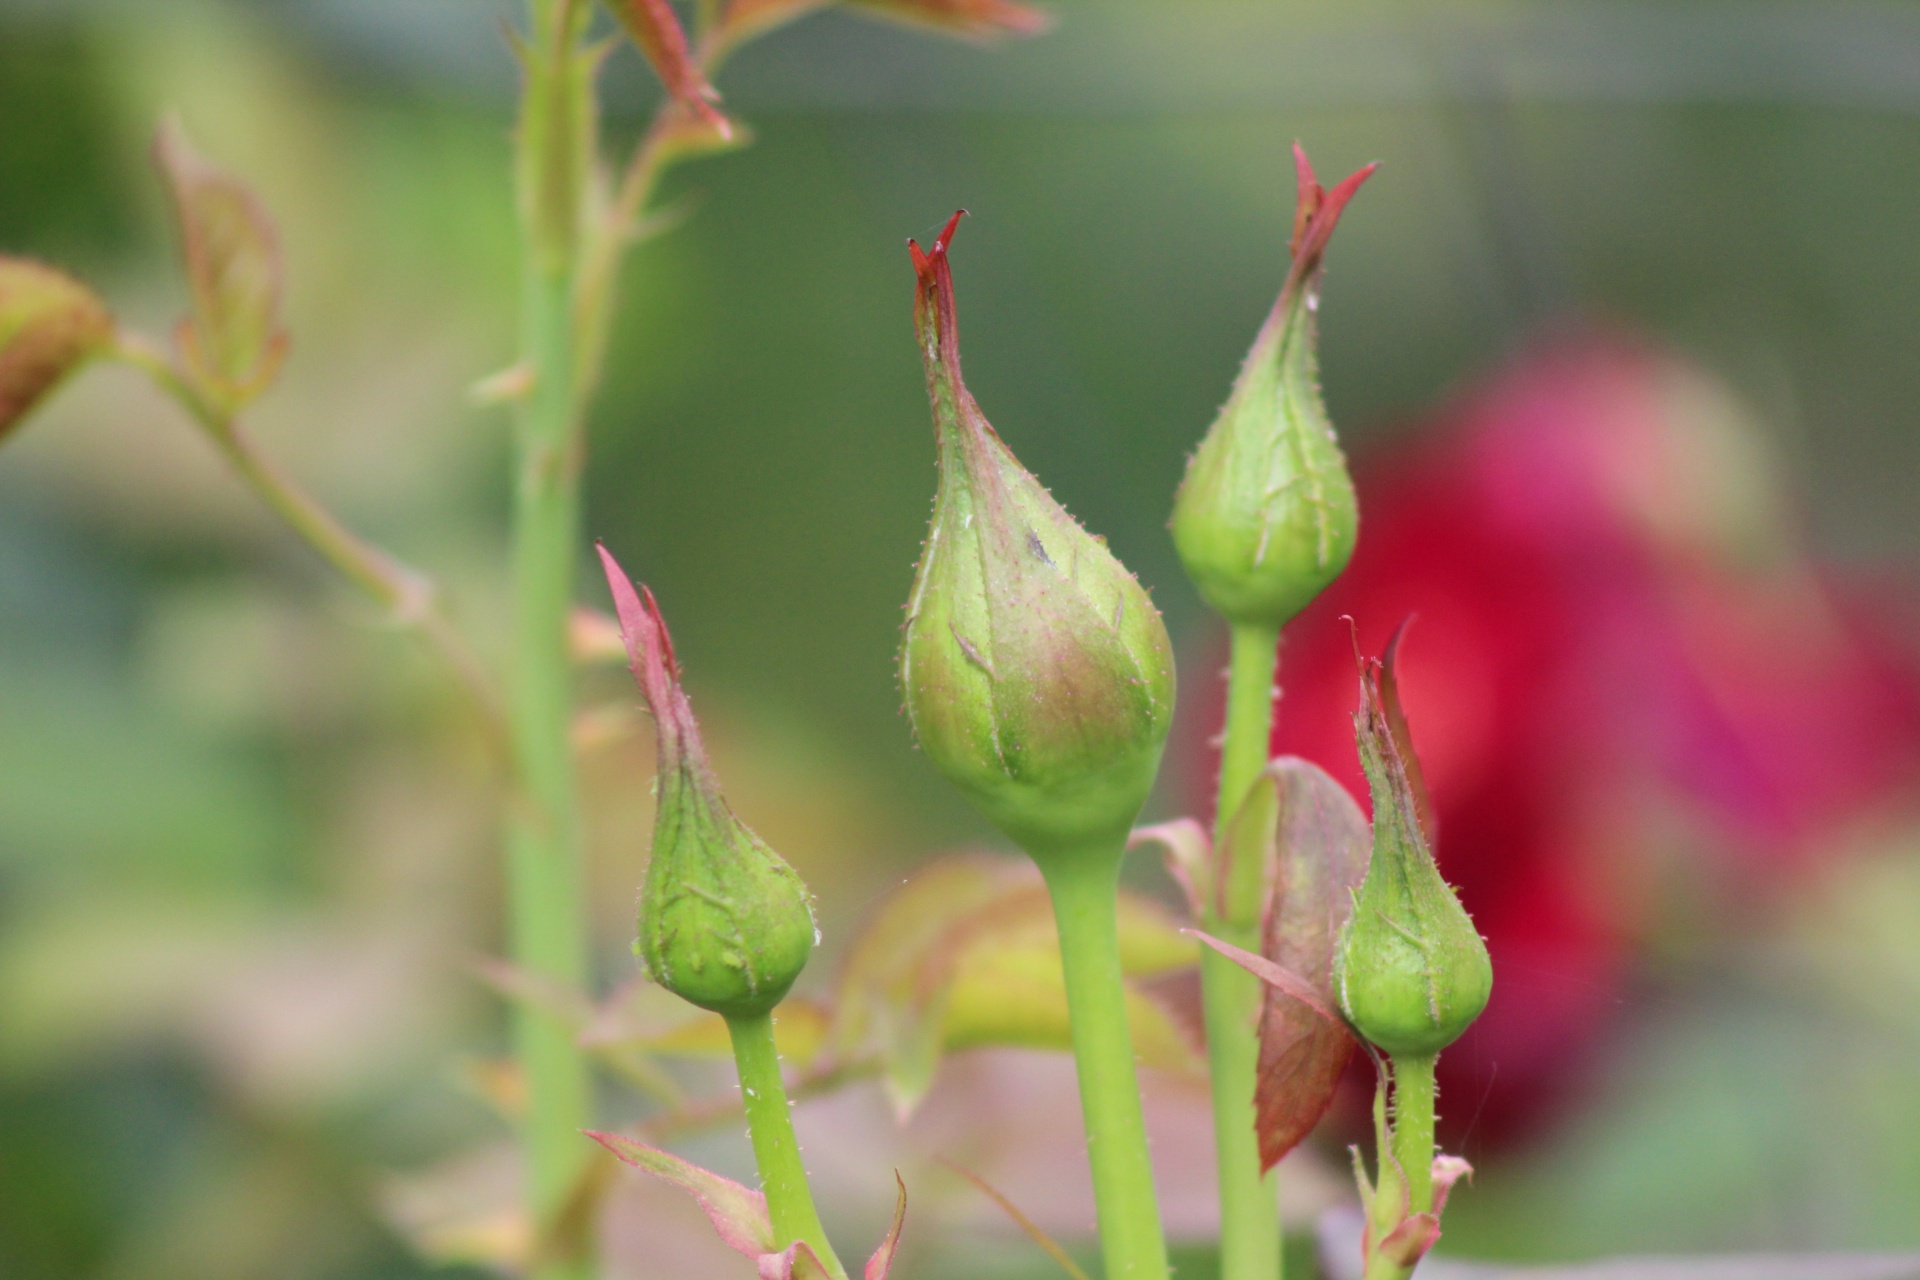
point(657, 31)
point(1188, 855)
point(737, 1213)
point(976, 19)
point(744, 20)
point(234, 340)
point(1321, 848)
point(50, 324)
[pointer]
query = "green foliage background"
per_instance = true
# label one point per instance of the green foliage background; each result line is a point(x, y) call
point(243, 848)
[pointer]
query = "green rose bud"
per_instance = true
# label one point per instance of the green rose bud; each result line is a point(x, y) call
point(1265, 517)
point(50, 324)
point(1038, 675)
point(725, 923)
point(1411, 971)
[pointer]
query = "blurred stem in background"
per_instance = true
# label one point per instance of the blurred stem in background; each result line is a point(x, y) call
point(1250, 1229)
point(547, 908)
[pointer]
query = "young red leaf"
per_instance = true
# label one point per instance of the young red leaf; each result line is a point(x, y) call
point(656, 30)
point(1288, 983)
point(1321, 848)
point(50, 324)
point(975, 19)
point(1187, 851)
point(737, 1213)
point(233, 341)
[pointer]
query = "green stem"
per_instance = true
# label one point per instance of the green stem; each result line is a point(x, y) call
point(1413, 1099)
point(1250, 1232)
point(783, 1176)
point(543, 839)
point(546, 897)
point(1084, 885)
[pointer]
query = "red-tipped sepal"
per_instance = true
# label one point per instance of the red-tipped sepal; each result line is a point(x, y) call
point(1037, 673)
point(725, 923)
point(1266, 516)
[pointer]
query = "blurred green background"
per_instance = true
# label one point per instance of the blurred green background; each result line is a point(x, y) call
point(246, 848)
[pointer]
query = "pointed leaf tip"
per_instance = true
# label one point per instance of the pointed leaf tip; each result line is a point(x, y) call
point(739, 1214)
point(882, 1260)
point(656, 31)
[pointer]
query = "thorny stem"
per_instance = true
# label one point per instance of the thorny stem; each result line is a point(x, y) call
point(1250, 1231)
point(1084, 885)
point(407, 595)
point(783, 1175)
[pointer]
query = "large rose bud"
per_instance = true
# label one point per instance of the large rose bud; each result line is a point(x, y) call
point(725, 923)
point(1037, 673)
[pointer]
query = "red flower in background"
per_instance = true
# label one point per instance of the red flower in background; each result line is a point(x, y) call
point(1626, 684)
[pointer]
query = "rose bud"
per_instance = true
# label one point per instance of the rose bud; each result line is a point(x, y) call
point(1037, 673)
point(50, 324)
point(725, 923)
point(1411, 971)
point(1265, 517)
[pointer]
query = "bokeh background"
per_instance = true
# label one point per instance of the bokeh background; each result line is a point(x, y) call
point(1621, 338)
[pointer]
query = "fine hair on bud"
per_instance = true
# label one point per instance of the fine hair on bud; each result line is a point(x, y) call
point(1411, 971)
point(1036, 670)
point(1265, 517)
point(725, 923)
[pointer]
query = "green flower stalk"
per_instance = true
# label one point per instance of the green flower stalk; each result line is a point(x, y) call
point(1264, 519)
point(725, 923)
point(1039, 679)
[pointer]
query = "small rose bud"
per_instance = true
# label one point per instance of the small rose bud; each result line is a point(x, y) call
point(1411, 971)
point(1265, 517)
point(725, 923)
point(1037, 673)
point(50, 324)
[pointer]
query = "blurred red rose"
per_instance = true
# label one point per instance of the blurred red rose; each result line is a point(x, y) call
point(1635, 699)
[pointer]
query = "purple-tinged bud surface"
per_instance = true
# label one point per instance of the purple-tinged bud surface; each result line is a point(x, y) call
point(1037, 672)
